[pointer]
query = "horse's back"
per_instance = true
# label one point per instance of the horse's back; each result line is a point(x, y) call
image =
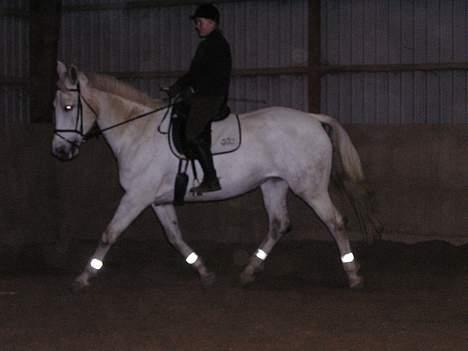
point(275, 112)
point(283, 123)
point(290, 138)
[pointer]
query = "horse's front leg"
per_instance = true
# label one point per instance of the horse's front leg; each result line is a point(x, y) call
point(168, 218)
point(129, 208)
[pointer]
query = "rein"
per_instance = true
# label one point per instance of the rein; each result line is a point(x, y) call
point(101, 131)
point(79, 120)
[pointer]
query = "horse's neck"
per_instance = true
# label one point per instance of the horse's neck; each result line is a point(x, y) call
point(115, 118)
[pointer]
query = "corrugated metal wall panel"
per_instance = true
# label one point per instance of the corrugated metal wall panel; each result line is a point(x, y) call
point(14, 47)
point(116, 40)
point(253, 93)
point(395, 32)
point(14, 107)
point(268, 34)
point(15, 5)
point(261, 33)
point(397, 98)
point(14, 63)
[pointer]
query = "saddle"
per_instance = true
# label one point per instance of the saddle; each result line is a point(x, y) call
point(225, 138)
point(225, 133)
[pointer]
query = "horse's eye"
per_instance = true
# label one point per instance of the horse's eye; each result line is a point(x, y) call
point(68, 107)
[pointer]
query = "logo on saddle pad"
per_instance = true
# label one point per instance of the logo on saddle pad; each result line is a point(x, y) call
point(228, 141)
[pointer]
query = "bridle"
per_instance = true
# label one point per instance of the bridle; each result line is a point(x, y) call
point(78, 120)
point(97, 132)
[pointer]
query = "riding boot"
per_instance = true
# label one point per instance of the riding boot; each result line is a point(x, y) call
point(210, 179)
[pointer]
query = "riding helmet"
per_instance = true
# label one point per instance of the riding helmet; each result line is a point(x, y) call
point(206, 11)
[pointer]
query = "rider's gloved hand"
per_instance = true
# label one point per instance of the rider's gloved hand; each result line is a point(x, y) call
point(173, 90)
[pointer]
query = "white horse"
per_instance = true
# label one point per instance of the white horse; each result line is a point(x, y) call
point(281, 149)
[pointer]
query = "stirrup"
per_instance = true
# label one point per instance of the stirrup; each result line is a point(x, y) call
point(206, 186)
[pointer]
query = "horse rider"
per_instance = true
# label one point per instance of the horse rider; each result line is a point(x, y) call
point(208, 78)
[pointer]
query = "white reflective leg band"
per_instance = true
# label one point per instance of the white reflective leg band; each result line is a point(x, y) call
point(96, 264)
point(261, 254)
point(347, 258)
point(192, 258)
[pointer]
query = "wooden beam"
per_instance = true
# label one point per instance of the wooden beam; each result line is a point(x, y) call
point(43, 36)
point(313, 72)
point(145, 75)
point(274, 71)
point(142, 4)
point(8, 12)
point(248, 72)
point(168, 3)
point(428, 67)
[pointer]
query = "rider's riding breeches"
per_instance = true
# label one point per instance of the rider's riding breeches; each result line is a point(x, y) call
point(203, 111)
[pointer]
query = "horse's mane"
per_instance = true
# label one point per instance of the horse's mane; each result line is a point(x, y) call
point(114, 86)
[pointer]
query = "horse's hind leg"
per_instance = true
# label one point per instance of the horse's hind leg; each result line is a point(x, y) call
point(168, 219)
point(275, 199)
point(334, 221)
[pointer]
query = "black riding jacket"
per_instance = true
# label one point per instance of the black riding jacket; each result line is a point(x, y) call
point(210, 70)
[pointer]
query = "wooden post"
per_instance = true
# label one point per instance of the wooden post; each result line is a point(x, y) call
point(43, 36)
point(313, 70)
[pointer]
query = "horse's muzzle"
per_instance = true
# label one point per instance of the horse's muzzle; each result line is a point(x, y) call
point(65, 148)
point(65, 152)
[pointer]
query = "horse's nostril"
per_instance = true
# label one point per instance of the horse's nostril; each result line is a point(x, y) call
point(64, 152)
point(60, 152)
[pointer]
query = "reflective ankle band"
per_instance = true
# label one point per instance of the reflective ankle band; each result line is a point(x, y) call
point(192, 258)
point(96, 264)
point(261, 254)
point(347, 258)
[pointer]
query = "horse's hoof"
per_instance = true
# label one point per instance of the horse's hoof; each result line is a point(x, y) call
point(246, 279)
point(208, 280)
point(356, 283)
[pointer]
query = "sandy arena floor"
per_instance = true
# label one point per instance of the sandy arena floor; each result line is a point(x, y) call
point(416, 298)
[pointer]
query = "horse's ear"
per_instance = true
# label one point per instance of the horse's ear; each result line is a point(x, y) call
point(73, 74)
point(61, 70)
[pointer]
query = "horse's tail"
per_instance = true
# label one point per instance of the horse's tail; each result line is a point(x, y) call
point(348, 154)
point(349, 178)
